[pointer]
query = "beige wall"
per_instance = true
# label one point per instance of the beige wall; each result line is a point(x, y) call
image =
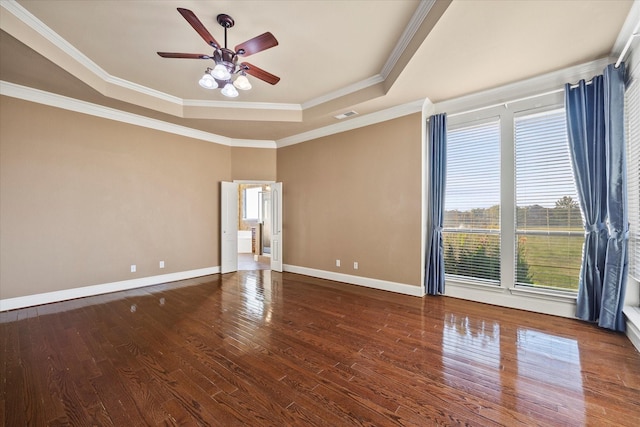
point(258, 164)
point(355, 196)
point(82, 198)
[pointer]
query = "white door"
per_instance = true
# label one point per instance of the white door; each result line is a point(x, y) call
point(228, 227)
point(276, 226)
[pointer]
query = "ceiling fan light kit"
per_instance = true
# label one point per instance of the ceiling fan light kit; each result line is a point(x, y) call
point(229, 90)
point(242, 82)
point(207, 81)
point(227, 74)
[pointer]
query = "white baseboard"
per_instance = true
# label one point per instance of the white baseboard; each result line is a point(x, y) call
point(384, 285)
point(86, 291)
point(633, 325)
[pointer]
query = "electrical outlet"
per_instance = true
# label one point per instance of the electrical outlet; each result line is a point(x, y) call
point(337, 263)
point(355, 265)
point(161, 264)
point(133, 268)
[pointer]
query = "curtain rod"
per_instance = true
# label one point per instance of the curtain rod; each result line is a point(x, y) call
point(626, 47)
point(512, 101)
point(634, 33)
point(506, 103)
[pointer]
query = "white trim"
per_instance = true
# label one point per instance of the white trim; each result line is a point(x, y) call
point(384, 285)
point(241, 105)
point(355, 123)
point(419, 15)
point(524, 89)
point(548, 294)
point(71, 51)
point(539, 303)
point(87, 291)
point(68, 49)
point(135, 87)
point(363, 84)
point(253, 181)
point(253, 143)
point(13, 7)
point(54, 100)
point(633, 325)
point(627, 29)
point(71, 104)
point(410, 31)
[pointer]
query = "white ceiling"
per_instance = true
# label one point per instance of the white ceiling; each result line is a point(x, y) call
point(332, 56)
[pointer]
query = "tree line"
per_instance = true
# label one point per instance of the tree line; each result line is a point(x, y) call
point(478, 255)
point(564, 215)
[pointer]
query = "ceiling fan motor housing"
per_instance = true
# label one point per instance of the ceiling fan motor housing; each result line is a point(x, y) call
point(226, 57)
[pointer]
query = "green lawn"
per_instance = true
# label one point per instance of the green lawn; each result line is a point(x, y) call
point(554, 261)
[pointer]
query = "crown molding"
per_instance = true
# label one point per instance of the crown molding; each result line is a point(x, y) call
point(355, 123)
point(409, 32)
point(627, 29)
point(70, 104)
point(114, 85)
point(41, 28)
point(135, 87)
point(241, 105)
point(175, 105)
point(347, 90)
point(552, 81)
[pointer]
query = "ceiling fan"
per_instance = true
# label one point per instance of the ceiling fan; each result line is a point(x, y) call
point(226, 60)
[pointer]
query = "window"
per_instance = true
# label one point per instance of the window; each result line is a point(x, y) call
point(471, 231)
point(632, 115)
point(549, 227)
point(251, 203)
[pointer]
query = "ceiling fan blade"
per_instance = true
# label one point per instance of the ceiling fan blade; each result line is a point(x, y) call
point(197, 25)
point(257, 44)
point(259, 73)
point(184, 55)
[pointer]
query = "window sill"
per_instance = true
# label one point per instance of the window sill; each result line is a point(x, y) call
point(633, 315)
point(544, 294)
point(457, 281)
point(519, 291)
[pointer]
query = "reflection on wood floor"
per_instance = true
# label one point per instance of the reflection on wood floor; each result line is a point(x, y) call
point(263, 348)
point(248, 262)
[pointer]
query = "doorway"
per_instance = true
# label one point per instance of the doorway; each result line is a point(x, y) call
point(254, 226)
point(242, 218)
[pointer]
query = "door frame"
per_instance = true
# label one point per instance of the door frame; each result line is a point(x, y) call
point(224, 248)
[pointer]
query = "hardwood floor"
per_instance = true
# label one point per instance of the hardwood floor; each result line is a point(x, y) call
point(260, 348)
point(248, 262)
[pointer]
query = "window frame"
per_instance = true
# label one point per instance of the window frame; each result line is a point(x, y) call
point(456, 125)
point(506, 113)
point(523, 286)
point(633, 161)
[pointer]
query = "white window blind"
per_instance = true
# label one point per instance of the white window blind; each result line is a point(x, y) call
point(472, 202)
point(632, 118)
point(549, 227)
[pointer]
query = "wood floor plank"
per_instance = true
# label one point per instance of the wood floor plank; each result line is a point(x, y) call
point(266, 349)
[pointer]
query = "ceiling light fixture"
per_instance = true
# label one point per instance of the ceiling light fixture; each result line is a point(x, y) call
point(229, 90)
point(242, 82)
point(220, 72)
point(207, 81)
point(227, 74)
